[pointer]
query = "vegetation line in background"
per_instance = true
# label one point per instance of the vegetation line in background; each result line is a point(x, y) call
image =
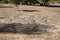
point(31, 2)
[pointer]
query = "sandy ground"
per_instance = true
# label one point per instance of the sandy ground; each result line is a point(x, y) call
point(39, 14)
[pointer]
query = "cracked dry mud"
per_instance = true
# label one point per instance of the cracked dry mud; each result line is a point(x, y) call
point(30, 23)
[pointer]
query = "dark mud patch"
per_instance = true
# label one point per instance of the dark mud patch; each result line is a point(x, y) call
point(25, 28)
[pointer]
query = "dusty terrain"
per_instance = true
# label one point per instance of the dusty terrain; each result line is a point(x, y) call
point(42, 23)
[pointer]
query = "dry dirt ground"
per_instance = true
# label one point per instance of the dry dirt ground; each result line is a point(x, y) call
point(45, 19)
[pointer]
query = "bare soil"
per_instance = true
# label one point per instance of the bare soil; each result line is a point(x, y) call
point(44, 18)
